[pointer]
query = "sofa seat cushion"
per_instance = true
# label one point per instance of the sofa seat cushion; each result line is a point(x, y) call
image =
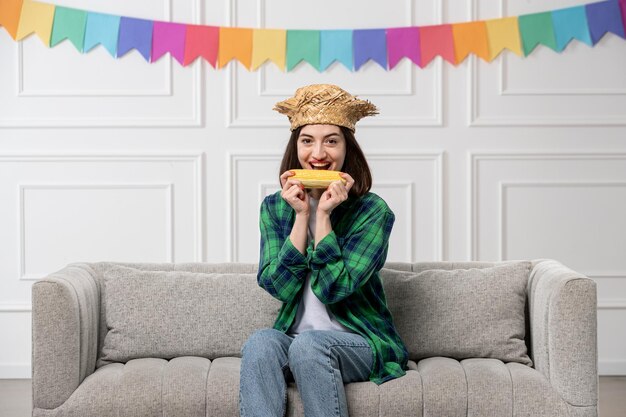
point(198, 387)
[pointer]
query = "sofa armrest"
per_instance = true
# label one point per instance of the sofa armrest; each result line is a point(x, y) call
point(563, 331)
point(65, 317)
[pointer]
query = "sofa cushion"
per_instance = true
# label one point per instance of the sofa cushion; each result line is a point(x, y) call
point(461, 313)
point(165, 314)
point(198, 387)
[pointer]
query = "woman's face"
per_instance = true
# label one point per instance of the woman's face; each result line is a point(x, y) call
point(321, 147)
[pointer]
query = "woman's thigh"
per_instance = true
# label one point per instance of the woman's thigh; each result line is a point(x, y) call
point(346, 352)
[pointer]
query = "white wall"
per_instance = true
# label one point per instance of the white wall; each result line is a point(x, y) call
point(104, 159)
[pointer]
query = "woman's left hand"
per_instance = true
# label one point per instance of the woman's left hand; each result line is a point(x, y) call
point(335, 194)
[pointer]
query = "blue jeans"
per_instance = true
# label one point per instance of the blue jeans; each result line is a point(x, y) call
point(319, 361)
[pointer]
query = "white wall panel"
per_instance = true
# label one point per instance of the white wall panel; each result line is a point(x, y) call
point(40, 87)
point(538, 89)
point(123, 207)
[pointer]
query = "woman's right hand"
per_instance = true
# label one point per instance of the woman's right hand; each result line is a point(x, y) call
point(294, 194)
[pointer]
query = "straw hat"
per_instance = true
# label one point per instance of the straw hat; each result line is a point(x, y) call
point(324, 104)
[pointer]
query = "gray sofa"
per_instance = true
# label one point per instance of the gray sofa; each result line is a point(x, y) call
point(112, 339)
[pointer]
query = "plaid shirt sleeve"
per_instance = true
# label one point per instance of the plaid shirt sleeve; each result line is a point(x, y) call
point(337, 271)
point(282, 268)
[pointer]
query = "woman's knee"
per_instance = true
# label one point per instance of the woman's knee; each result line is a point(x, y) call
point(263, 342)
point(307, 347)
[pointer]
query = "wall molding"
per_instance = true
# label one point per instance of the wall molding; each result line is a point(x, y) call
point(475, 157)
point(23, 187)
point(197, 159)
point(503, 187)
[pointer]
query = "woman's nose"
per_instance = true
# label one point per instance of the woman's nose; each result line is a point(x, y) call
point(318, 151)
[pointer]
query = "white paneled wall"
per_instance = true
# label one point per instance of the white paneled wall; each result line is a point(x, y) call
point(118, 159)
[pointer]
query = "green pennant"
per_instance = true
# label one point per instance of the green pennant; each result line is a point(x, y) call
point(303, 45)
point(537, 29)
point(70, 24)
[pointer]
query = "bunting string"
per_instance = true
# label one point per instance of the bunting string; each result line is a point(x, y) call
point(286, 48)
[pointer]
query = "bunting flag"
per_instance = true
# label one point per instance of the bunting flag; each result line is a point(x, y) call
point(202, 41)
point(303, 45)
point(69, 24)
point(102, 29)
point(503, 34)
point(36, 18)
point(336, 45)
point(287, 48)
point(401, 43)
point(10, 12)
point(569, 24)
point(135, 34)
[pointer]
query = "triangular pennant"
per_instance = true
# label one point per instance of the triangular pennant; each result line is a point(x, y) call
point(168, 37)
point(469, 38)
point(10, 11)
point(604, 17)
point(69, 24)
point(401, 43)
point(202, 41)
point(269, 44)
point(303, 45)
point(537, 29)
point(235, 43)
point(503, 33)
point(36, 17)
point(437, 40)
point(336, 45)
point(370, 44)
point(137, 34)
point(569, 24)
point(102, 29)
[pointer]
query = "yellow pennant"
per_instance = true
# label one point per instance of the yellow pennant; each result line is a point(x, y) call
point(269, 44)
point(235, 43)
point(36, 17)
point(503, 33)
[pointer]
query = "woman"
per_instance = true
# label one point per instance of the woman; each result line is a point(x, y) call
point(321, 251)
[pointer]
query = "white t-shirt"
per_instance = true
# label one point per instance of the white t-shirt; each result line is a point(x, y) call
point(312, 313)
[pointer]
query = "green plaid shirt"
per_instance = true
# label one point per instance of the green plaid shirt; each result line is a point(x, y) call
point(344, 273)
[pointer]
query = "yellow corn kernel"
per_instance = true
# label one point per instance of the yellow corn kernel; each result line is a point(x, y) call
point(313, 178)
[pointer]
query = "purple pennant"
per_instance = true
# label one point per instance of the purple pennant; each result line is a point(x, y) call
point(169, 37)
point(370, 44)
point(622, 5)
point(135, 33)
point(604, 17)
point(403, 42)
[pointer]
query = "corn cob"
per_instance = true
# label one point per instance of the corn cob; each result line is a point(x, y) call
point(312, 178)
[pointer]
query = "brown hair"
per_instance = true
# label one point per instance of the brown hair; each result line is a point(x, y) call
point(355, 163)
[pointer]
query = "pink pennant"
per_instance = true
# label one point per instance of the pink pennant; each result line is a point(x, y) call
point(437, 40)
point(168, 37)
point(202, 41)
point(403, 42)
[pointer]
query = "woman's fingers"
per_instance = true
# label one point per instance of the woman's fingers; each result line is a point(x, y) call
point(285, 176)
point(349, 180)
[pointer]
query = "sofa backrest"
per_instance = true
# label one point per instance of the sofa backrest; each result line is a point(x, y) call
point(210, 304)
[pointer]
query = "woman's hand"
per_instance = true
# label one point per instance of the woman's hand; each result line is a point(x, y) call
point(294, 194)
point(335, 194)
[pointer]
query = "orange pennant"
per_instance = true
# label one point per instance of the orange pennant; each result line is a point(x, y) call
point(469, 38)
point(10, 11)
point(235, 43)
